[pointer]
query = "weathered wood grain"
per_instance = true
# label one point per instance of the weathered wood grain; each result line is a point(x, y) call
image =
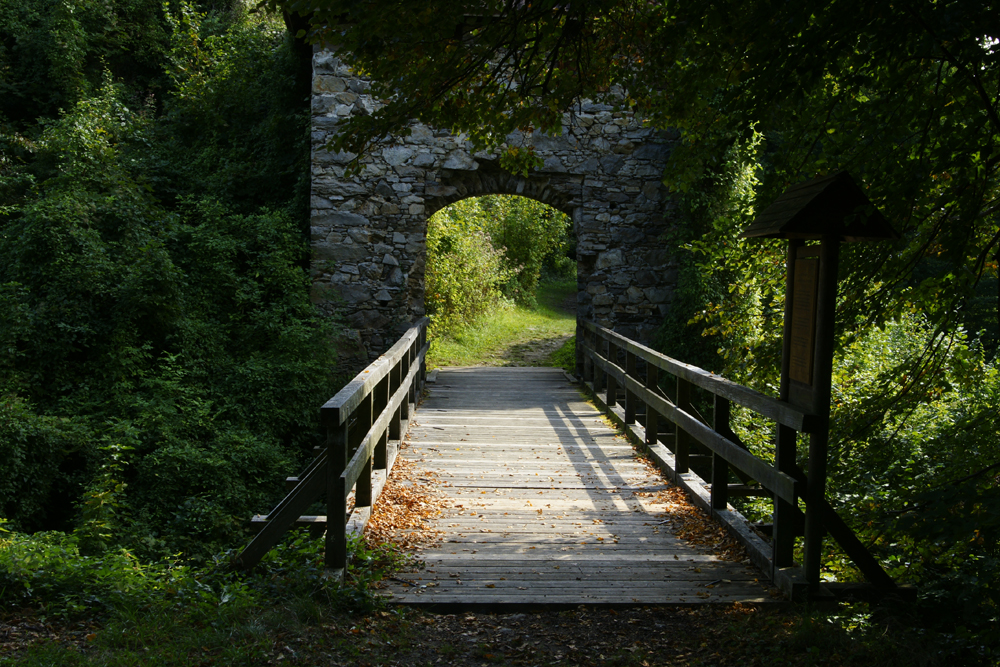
point(548, 505)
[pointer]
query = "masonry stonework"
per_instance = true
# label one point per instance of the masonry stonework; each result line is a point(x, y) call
point(368, 230)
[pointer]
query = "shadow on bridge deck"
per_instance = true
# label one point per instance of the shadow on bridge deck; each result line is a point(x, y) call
point(548, 506)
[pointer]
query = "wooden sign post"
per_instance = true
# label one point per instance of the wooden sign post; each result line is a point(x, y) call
point(815, 217)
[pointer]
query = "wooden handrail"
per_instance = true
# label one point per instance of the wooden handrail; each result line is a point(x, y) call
point(779, 411)
point(347, 400)
point(783, 480)
point(365, 422)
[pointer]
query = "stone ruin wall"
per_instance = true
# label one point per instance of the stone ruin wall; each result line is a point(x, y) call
point(368, 230)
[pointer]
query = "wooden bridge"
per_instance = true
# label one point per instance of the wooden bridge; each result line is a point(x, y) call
point(549, 504)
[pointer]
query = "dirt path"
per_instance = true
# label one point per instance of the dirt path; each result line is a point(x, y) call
point(535, 351)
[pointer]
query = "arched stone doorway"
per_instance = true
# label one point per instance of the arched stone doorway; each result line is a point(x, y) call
point(368, 230)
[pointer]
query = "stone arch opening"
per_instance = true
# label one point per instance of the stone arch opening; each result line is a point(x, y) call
point(368, 230)
point(487, 251)
point(490, 179)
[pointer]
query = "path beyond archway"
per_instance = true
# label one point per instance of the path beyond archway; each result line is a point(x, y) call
point(367, 231)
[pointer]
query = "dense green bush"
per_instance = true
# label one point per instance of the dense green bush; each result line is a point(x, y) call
point(485, 250)
point(465, 272)
point(530, 235)
point(160, 361)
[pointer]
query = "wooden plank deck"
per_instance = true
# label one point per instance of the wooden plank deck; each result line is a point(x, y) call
point(543, 504)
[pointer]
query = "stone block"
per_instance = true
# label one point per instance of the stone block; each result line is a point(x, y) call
point(420, 133)
point(553, 164)
point(652, 190)
point(544, 142)
point(459, 160)
point(371, 270)
point(612, 164)
point(358, 86)
point(354, 293)
point(424, 160)
point(324, 83)
point(338, 188)
point(340, 252)
point(319, 202)
point(603, 300)
point(340, 219)
point(610, 259)
point(360, 235)
point(323, 156)
point(396, 155)
point(409, 172)
point(654, 152)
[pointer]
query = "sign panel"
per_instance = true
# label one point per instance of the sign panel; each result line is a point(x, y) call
point(803, 343)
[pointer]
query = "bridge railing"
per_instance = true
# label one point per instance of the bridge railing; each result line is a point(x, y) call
point(364, 422)
point(679, 437)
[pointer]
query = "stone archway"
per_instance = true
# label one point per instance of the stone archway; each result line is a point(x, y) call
point(368, 230)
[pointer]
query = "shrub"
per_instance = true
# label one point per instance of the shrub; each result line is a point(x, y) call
point(464, 270)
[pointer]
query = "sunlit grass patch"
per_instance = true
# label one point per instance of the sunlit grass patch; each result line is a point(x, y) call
point(489, 341)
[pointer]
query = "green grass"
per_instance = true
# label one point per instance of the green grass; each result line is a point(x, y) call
point(513, 336)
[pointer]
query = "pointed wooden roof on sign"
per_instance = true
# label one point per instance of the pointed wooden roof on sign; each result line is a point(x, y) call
point(825, 206)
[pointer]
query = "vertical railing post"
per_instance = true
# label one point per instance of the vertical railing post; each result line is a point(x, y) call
point(720, 467)
point(652, 416)
point(783, 526)
point(612, 396)
point(580, 366)
point(403, 416)
point(363, 488)
point(419, 343)
point(379, 403)
point(631, 400)
point(599, 375)
point(682, 441)
point(337, 445)
point(395, 379)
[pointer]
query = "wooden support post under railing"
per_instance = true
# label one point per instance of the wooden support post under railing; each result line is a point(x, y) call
point(380, 457)
point(783, 530)
point(417, 346)
point(682, 441)
point(403, 415)
point(652, 417)
point(395, 380)
point(337, 437)
point(612, 396)
point(583, 342)
point(599, 374)
point(580, 363)
point(720, 467)
point(631, 400)
point(362, 423)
